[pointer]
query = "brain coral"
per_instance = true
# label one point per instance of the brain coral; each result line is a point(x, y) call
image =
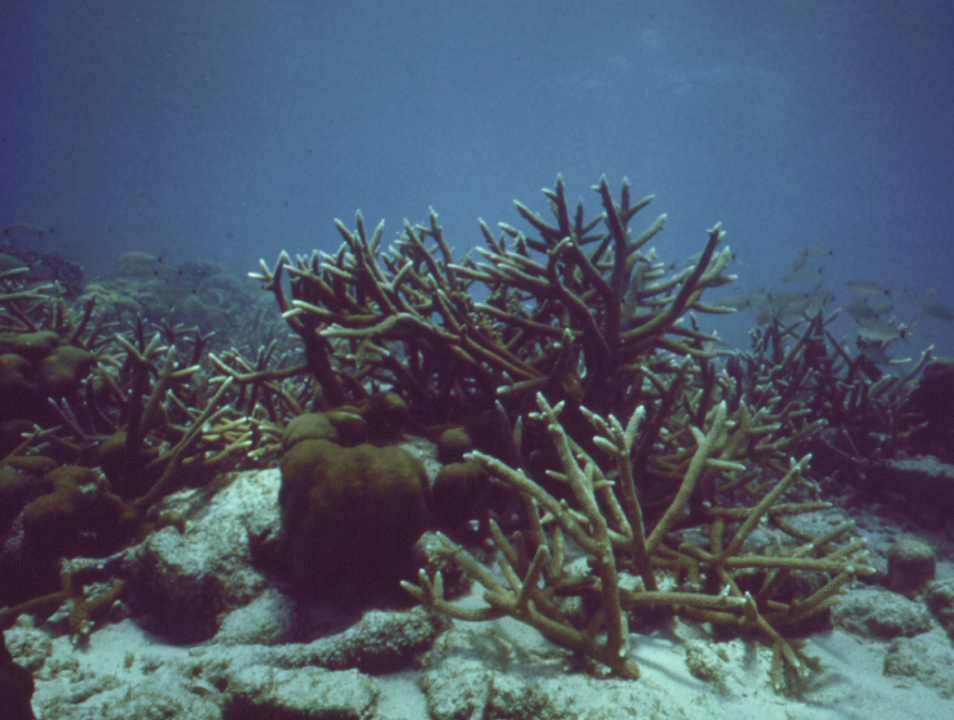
point(350, 516)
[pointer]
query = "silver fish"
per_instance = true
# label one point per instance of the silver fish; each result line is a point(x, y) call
point(880, 331)
point(938, 310)
point(136, 264)
point(9, 262)
point(876, 354)
point(27, 231)
point(860, 310)
point(866, 287)
point(746, 301)
point(803, 274)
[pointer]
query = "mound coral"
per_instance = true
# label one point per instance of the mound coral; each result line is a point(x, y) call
point(350, 516)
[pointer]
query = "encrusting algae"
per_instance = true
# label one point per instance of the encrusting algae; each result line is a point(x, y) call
point(527, 361)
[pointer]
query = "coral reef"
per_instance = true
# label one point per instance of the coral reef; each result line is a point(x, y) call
point(522, 365)
point(96, 426)
point(599, 333)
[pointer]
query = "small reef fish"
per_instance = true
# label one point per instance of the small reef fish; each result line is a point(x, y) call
point(779, 305)
point(876, 354)
point(693, 260)
point(802, 274)
point(136, 264)
point(816, 251)
point(880, 331)
point(860, 310)
point(810, 251)
point(27, 231)
point(939, 311)
point(768, 306)
point(10, 262)
point(746, 301)
point(866, 287)
point(801, 262)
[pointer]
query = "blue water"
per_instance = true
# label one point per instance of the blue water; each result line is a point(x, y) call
point(230, 131)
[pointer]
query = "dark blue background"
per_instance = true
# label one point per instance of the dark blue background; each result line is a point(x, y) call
point(230, 131)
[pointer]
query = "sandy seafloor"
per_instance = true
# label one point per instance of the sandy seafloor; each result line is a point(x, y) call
point(852, 684)
point(498, 669)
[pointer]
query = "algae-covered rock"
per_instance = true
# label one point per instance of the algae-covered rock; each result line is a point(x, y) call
point(350, 516)
point(16, 373)
point(911, 565)
point(186, 579)
point(76, 516)
point(16, 687)
point(940, 599)
point(872, 612)
point(260, 691)
point(926, 659)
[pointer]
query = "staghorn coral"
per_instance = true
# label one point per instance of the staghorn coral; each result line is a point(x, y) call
point(607, 524)
point(851, 415)
point(570, 313)
point(83, 395)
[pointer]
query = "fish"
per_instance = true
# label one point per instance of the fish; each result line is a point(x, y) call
point(938, 310)
point(11, 262)
point(876, 354)
point(765, 316)
point(822, 297)
point(136, 264)
point(880, 331)
point(780, 299)
point(802, 274)
point(781, 306)
point(860, 310)
point(693, 260)
point(816, 251)
point(866, 287)
point(27, 231)
point(746, 301)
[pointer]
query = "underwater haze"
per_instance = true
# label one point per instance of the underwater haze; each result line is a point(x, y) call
point(819, 133)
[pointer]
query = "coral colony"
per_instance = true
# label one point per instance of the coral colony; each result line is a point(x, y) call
point(582, 414)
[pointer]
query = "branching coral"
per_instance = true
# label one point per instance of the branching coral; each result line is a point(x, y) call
point(137, 405)
point(571, 313)
point(851, 414)
point(606, 522)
